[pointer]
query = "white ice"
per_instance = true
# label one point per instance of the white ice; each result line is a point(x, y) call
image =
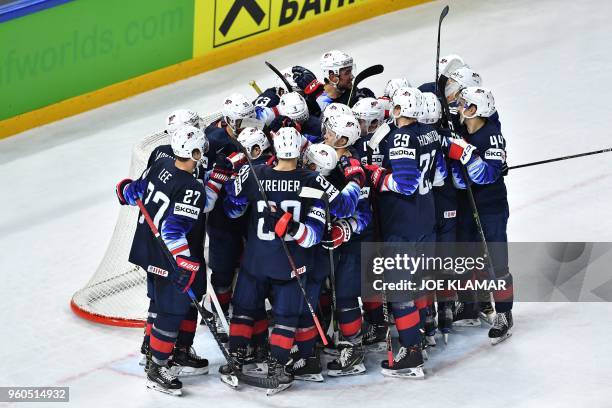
point(548, 63)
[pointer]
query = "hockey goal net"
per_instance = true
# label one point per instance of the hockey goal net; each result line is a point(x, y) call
point(116, 293)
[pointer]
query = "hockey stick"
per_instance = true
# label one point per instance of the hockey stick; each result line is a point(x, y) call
point(264, 196)
point(260, 382)
point(255, 87)
point(215, 301)
point(309, 192)
point(366, 73)
point(281, 76)
point(442, 16)
point(445, 108)
point(609, 149)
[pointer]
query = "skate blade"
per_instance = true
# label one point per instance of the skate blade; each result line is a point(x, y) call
point(416, 373)
point(445, 337)
point(354, 370)
point(154, 386)
point(498, 340)
point(431, 341)
point(468, 323)
point(273, 391)
point(143, 361)
point(256, 369)
point(331, 352)
point(310, 377)
point(229, 380)
point(425, 354)
point(377, 347)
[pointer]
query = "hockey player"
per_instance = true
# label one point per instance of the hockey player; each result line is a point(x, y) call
point(445, 199)
point(307, 363)
point(392, 86)
point(341, 132)
point(293, 106)
point(265, 270)
point(176, 201)
point(370, 113)
point(225, 235)
point(338, 67)
point(177, 119)
point(483, 153)
point(412, 155)
point(446, 66)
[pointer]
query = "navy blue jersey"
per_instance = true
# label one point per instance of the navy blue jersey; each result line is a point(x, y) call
point(220, 143)
point(484, 170)
point(445, 194)
point(176, 201)
point(268, 98)
point(413, 154)
point(264, 255)
point(429, 87)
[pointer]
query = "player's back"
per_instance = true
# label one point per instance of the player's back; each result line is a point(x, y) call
point(169, 191)
point(264, 252)
point(411, 152)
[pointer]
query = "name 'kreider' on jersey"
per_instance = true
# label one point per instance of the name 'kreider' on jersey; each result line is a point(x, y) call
point(413, 154)
point(264, 255)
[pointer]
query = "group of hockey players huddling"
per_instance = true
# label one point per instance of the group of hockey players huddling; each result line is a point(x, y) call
point(410, 187)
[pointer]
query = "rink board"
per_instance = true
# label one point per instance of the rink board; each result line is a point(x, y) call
point(81, 55)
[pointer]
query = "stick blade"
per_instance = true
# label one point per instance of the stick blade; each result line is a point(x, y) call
point(444, 13)
point(379, 135)
point(368, 72)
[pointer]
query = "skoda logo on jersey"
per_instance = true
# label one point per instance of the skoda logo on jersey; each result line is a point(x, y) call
point(238, 19)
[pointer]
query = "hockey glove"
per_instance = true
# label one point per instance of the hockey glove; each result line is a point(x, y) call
point(188, 268)
point(339, 233)
point(281, 222)
point(306, 80)
point(377, 175)
point(120, 190)
point(352, 170)
point(222, 170)
point(461, 150)
point(237, 160)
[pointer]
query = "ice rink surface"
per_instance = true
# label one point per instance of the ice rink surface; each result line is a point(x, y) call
point(548, 64)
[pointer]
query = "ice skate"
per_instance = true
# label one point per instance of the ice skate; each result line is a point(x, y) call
point(185, 362)
point(407, 363)
point(501, 327)
point(350, 361)
point(160, 378)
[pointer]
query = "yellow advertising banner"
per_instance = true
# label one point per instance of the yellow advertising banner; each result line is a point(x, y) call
point(254, 26)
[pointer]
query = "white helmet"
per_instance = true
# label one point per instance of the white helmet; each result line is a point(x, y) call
point(482, 98)
point(432, 109)
point(323, 157)
point(368, 110)
point(410, 101)
point(462, 78)
point(251, 137)
point(395, 84)
point(333, 109)
point(186, 139)
point(287, 143)
point(288, 74)
point(343, 126)
point(181, 117)
point(334, 61)
point(235, 108)
point(450, 63)
point(293, 105)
